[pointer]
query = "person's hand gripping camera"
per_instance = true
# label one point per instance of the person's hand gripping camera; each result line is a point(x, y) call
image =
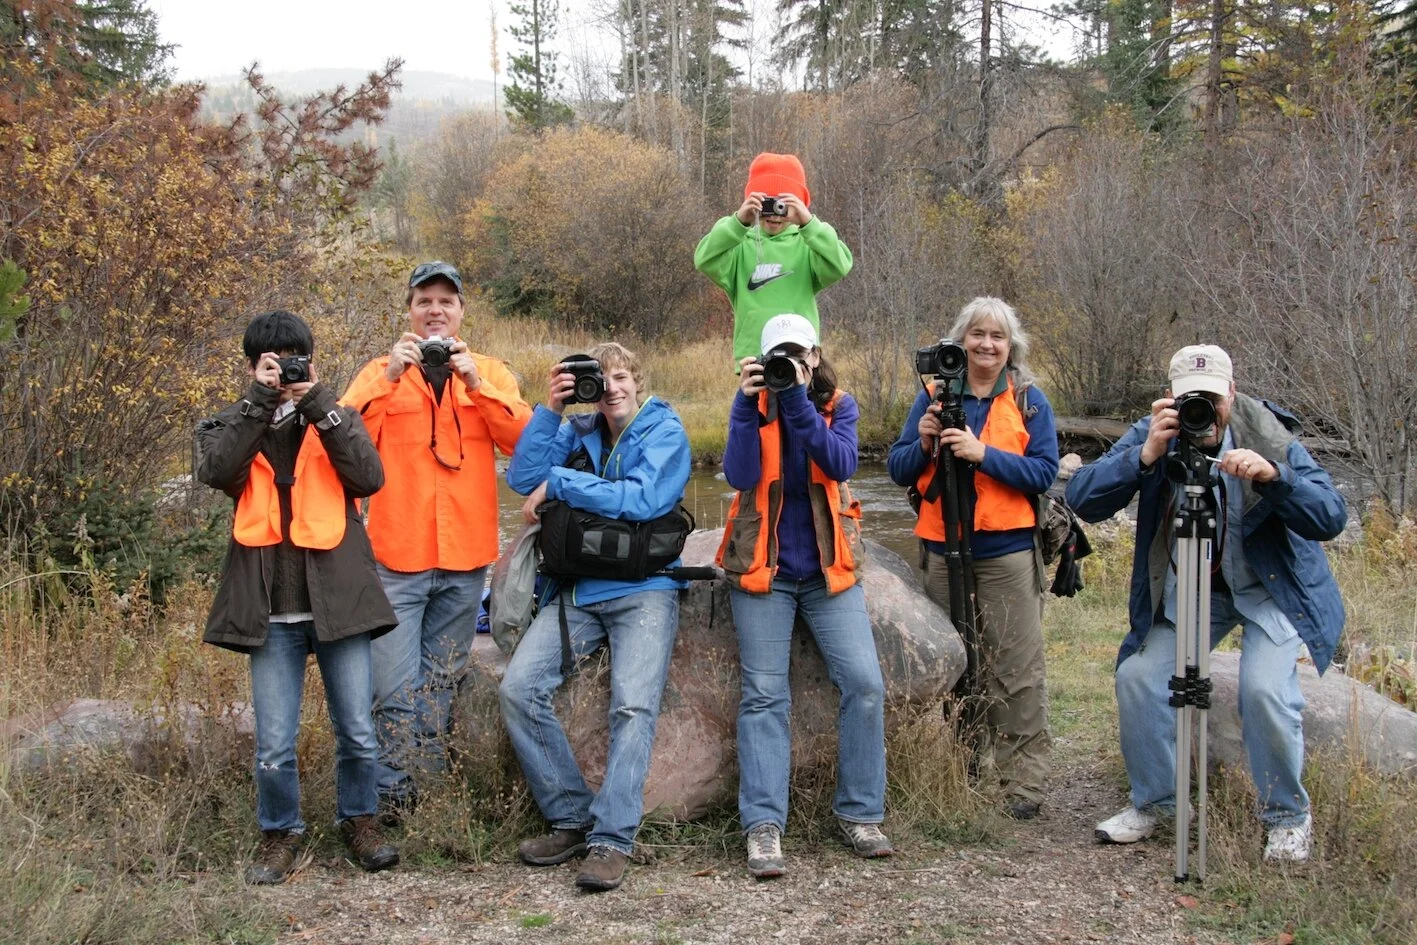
point(292, 376)
point(782, 209)
point(754, 378)
point(411, 350)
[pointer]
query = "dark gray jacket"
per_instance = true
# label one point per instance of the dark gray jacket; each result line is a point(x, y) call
point(345, 594)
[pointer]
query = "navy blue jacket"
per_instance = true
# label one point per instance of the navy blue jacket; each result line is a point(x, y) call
point(1032, 473)
point(1284, 521)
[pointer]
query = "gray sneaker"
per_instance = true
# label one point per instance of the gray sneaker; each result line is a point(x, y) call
point(865, 840)
point(765, 852)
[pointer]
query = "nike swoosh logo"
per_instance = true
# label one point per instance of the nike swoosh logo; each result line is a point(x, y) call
point(755, 284)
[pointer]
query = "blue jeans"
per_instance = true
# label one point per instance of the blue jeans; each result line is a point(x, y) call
point(1270, 721)
point(417, 669)
point(277, 686)
point(640, 630)
point(843, 633)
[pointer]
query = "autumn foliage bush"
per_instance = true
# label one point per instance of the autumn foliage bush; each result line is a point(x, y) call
point(137, 238)
point(595, 228)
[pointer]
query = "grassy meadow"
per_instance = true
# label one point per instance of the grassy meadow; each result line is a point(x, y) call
point(100, 854)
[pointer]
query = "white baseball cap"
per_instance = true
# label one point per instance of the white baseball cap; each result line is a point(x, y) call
point(1201, 368)
point(788, 330)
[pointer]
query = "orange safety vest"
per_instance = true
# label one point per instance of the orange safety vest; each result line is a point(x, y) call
point(317, 502)
point(997, 507)
point(748, 552)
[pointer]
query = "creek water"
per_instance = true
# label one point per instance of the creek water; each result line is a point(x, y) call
point(885, 514)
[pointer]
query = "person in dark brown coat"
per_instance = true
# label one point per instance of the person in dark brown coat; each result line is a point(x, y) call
point(299, 578)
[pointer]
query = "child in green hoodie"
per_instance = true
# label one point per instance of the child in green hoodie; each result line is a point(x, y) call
point(781, 263)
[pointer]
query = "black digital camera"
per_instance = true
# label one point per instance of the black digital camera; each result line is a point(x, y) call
point(774, 207)
point(294, 369)
point(779, 370)
point(435, 351)
point(1196, 413)
point(590, 382)
point(945, 359)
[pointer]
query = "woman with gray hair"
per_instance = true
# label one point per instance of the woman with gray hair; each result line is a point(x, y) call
point(1010, 442)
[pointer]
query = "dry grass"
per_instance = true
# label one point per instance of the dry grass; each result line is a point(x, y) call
point(102, 854)
point(696, 377)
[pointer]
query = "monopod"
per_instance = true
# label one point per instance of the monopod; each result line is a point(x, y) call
point(958, 518)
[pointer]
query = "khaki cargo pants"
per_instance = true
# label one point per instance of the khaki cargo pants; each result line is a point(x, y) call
point(1014, 738)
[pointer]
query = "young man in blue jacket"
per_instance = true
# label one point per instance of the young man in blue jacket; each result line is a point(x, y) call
point(628, 460)
point(1270, 578)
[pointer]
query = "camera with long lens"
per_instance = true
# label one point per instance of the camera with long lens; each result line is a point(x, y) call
point(779, 370)
point(1188, 464)
point(294, 369)
point(435, 351)
point(590, 382)
point(944, 359)
point(774, 207)
point(1196, 413)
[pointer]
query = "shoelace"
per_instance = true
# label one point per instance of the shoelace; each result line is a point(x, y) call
point(761, 842)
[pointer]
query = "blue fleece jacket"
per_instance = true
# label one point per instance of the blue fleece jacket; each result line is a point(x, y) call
point(807, 437)
point(1032, 473)
point(642, 478)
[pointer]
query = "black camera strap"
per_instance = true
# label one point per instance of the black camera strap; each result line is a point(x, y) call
point(437, 376)
point(433, 436)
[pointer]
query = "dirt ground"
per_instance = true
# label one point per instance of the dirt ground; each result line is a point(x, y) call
point(1044, 881)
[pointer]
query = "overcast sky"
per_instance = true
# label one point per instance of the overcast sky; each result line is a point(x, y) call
point(221, 37)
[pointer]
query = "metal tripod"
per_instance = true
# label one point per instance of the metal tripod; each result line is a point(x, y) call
point(1191, 686)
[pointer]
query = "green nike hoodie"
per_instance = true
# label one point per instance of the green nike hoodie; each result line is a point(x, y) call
point(770, 275)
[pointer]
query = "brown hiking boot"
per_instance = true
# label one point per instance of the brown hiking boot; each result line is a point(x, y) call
point(276, 858)
point(365, 840)
point(558, 846)
point(603, 869)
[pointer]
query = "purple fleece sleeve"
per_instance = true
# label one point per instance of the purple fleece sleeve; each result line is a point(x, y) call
point(833, 448)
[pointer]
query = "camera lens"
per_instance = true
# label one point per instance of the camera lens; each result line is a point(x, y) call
point(952, 359)
point(589, 388)
point(780, 373)
point(435, 355)
point(1196, 414)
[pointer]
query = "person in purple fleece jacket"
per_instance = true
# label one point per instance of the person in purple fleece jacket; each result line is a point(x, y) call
point(792, 547)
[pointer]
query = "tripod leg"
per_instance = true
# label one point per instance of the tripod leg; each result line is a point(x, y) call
point(1203, 708)
point(1185, 623)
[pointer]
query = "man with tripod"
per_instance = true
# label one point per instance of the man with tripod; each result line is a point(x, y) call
point(1268, 575)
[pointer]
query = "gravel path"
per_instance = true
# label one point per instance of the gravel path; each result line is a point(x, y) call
point(1046, 882)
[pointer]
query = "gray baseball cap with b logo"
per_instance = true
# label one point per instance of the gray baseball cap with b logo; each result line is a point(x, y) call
point(437, 269)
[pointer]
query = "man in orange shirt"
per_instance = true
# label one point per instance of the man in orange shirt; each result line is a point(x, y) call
point(435, 410)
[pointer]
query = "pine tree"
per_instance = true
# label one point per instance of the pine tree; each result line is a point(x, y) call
point(107, 42)
point(531, 96)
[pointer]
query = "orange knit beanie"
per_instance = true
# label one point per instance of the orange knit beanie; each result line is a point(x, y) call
point(778, 174)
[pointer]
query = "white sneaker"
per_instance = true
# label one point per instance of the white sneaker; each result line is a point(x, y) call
point(1127, 826)
point(865, 840)
point(765, 852)
point(1290, 844)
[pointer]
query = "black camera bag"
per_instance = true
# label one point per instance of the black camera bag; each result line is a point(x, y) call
point(575, 543)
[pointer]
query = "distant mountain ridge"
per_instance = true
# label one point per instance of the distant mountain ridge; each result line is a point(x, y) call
point(416, 112)
point(439, 87)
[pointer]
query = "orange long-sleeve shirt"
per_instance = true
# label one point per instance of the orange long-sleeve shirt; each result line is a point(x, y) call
point(428, 515)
